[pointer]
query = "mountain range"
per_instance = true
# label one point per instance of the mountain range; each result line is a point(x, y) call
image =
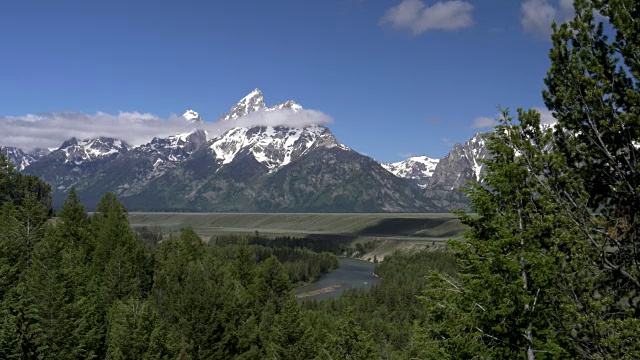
point(252, 169)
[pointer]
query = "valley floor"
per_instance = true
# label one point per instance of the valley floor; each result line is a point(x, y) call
point(389, 231)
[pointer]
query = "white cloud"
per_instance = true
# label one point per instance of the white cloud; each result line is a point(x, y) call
point(49, 130)
point(415, 16)
point(537, 15)
point(483, 122)
point(546, 117)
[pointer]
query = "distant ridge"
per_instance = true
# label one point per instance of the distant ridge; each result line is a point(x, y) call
point(258, 168)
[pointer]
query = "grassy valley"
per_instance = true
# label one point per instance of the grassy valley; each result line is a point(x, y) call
point(389, 232)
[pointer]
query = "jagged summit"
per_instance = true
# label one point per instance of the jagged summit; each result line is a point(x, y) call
point(22, 159)
point(417, 168)
point(289, 104)
point(253, 102)
point(79, 151)
point(253, 166)
point(192, 116)
point(256, 93)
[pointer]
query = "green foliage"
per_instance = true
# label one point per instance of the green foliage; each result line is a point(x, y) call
point(386, 313)
point(135, 331)
point(89, 287)
point(510, 262)
point(271, 285)
point(300, 263)
point(121, 264)
point(550, 265)
point(349, 341)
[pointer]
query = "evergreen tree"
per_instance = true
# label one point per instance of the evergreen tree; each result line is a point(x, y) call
point(74, 221)
point(272, 286)
point(25, 208)
point(504, 302)
point(244, 264)
point(135, 331)
point(7, 174)
point(594, 94)
point(120, 262)
point(550, 265)
point(172, 261)
point(349, 341)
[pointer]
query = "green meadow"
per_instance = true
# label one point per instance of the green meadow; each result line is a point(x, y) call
point(388, 231)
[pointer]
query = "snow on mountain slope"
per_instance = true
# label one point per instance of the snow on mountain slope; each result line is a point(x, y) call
point(417, 168)
point(167, 152)
point(462, 164)
point(176, 147)
point(79, 151)
point(23, 159)
point(475, 150)
point(253, 102)
point(290, 104)
point(273, 146)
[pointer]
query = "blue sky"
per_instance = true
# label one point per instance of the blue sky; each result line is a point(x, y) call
point(398, 77)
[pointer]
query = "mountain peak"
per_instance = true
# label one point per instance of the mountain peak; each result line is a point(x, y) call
point(253, 102)
point(22, 159)
point(255, 93)
point(192, 116)
point(289, 104)
point(418, 168)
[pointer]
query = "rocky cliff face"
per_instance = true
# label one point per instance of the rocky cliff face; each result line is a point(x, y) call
point(23, 159)
point(462, 165)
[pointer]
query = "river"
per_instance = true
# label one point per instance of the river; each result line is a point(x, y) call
point(351, 274)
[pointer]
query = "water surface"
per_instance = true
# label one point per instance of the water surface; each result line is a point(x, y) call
point(352, 274)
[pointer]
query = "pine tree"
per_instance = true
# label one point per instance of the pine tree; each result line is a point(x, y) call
point(272, 286)
point(550, 265)
point(348, 341)
point(594, 94)
point(120, 262)
point(503, 302)
point(51, 285)
point(135, 331)
point(25, 208)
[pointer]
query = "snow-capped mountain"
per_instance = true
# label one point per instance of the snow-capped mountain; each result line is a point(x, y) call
point(76, 161)
point(256, 168)
point(80, 151)
point(174, 148)
point(289, 104)
point(248, 104)
point(273, 147)
point(460, 166)
point(22, 159)
point(416, 168)
point(152, 160)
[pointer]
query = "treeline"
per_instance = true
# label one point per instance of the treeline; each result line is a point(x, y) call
point(389, 310)
point(335, 244)
point(87, 287)
point(301, 265)
point(91, 287)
